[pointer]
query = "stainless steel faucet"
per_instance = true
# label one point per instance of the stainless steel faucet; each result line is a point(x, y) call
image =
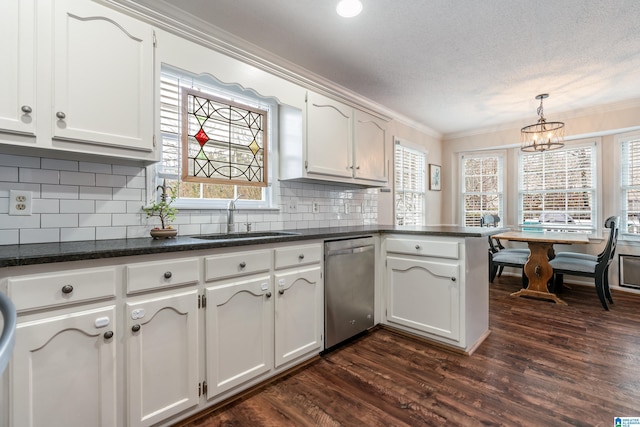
point(231, 208)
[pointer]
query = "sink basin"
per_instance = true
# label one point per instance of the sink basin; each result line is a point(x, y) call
point(252, 235)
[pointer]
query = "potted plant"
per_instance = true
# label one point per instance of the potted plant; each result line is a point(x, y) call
point(165, 212)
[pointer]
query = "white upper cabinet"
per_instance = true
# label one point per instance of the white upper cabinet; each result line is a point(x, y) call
point(333, 142)
point(17, 80)
point(77, 76)
point(329, 137)
point(370, 147)
point(102, 89)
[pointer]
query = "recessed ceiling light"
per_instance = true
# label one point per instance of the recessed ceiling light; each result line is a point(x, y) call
point(349, 8)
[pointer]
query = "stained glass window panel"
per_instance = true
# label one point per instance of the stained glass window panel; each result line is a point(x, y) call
point(222, 142)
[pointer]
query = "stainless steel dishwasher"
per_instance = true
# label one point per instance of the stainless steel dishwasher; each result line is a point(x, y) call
point(349, 288)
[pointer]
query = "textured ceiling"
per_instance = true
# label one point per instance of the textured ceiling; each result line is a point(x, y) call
point(453, 66)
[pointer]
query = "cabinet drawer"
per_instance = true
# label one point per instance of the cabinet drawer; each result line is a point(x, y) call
point(47, 290)
point(424, 247)
point(156, 275)
point(298, 255)
point(237, 264)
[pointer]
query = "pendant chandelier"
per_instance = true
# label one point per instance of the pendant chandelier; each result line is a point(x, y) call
point(543, 135)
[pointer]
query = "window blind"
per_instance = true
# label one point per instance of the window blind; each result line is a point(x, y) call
point(410, 185)
point(482, 191)
point(557, 189)
point(630, 186)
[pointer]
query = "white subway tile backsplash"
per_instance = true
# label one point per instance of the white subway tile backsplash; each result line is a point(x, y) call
point(9, 237)
point(60, 165)
point(46, 206)
point(106, 233)
point(116, 181)
point(77, 178)
point(96, 193)
point(8, 174)
point(59, 220)
point(77, 234)
point(39, 235)
point(59, 191)
point(128, 170)
point(77, 206)
point(19, 161)
point(95, 167)
point(86, 200)
point(43, 176)
point(8, 222)
point(127, 194)
point(111, 206)
point(94, 220)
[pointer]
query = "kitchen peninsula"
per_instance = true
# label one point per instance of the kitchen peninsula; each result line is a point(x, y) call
point(186, 297)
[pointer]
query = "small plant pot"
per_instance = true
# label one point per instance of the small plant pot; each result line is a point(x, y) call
point(163, 233)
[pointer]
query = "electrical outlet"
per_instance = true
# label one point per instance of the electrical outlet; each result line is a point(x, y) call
point(315, 207)
point(292, 207)
point(19, 202)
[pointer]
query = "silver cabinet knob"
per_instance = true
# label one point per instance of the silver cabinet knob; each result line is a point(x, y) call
point(268, 294)
point(67, 289)
point(135, 328)
point(243, 264)
point(60, 115)
point(453, 279)
point(281, 291)
point(108, 335)
point(301, 256)
point(167, 275)
point(417, 247)
point(26, 109)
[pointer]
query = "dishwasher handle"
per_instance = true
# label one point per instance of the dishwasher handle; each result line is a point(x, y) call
point(357, 250)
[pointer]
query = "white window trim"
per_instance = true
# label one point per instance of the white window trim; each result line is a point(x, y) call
point(425, 152)
point(620, 200)
point(598, 221)
point(501, 180)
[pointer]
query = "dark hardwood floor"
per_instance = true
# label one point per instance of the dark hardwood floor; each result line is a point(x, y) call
point(543, 365)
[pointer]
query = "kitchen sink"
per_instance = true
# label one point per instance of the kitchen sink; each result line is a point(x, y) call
point(250, 235)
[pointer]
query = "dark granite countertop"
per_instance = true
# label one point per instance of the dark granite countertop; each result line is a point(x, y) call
point(42, 253)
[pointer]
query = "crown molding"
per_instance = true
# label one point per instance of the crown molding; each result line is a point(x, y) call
point(170, 18)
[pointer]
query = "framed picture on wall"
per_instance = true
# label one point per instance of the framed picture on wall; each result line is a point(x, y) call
point(435, 178)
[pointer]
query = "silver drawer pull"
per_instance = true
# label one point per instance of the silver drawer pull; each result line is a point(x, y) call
point(301, 256)
point(167, 275)
point(243, 264)
point(135, 328)
point(417, 247)
point(108, 335)
point(67, 289)
point(26, 109)
point(61, 115)
point(453, 279)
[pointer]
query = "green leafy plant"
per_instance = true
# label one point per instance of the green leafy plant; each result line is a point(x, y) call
point(163, 208)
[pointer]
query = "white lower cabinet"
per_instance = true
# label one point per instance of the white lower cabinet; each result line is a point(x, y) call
point(162, 356)
point(424, 295)
point(298, 314)
point(436, 287)
point(64, 370)
point(239, 324)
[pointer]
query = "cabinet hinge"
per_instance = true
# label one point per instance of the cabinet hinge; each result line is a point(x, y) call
point(306, 164)
point(204, 388)
point(202, 301)
point(155, 40)
point(199, 389)
point(154, 141)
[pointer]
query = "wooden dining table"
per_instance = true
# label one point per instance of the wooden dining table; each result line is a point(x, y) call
point(537, 268)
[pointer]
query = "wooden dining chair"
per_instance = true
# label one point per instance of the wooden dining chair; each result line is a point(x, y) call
point(585, 265)
point(501, 257)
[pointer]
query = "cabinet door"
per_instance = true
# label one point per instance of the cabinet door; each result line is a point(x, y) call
point(102, 76)
point(64, 371)
point(239, 325)
point(162, 350)
point(370, 151)
point(298, 316)
point(424, 295)
point(17, 73)
point(329, 137)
